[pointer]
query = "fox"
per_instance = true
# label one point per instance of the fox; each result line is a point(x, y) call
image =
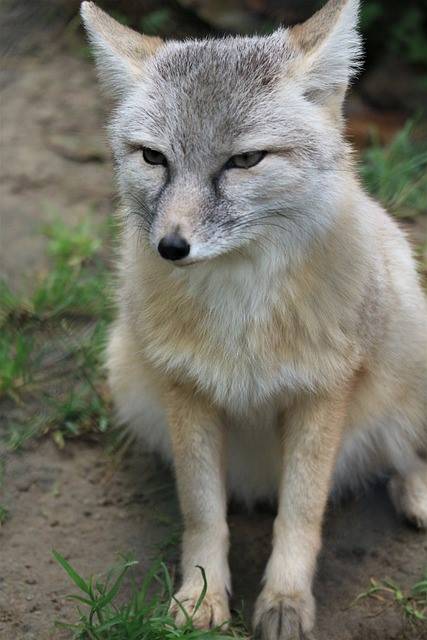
point(270, 341)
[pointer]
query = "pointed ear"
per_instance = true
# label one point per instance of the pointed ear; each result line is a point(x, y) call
point(328, 48)
point(120, 52)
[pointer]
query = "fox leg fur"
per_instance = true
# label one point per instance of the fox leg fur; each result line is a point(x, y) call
point(409, 494)
point(198, 442)
point(285, 609)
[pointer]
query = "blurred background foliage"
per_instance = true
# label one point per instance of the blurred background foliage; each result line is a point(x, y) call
point(395, 33)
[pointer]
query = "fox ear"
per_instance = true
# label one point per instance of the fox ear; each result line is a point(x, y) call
point(119, 51)
point(328, 51)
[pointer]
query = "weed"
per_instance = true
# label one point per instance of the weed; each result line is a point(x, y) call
point(397, 173)
point(15, 355)
point(12, 306)
point(65, 381)
point(47, 356)
point(106, 611)
point(4, 514)
point(72, 246)
point(413, 603)
point(75, 285)
point(19, 431)
point(419, 590)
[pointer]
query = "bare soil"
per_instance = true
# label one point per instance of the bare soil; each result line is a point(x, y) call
point(54, 160)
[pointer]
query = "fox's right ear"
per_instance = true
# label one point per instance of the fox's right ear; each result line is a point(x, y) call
point(328, 51)
point(120, 52)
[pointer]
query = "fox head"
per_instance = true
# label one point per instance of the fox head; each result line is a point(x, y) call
point(227, 146)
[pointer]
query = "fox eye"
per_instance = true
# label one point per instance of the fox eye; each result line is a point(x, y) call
point(245, 160)
point(151, 156)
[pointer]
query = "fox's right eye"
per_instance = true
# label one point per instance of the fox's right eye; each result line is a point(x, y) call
point(151, 156)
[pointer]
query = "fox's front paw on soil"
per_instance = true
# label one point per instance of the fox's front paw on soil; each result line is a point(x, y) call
point(212, 612)
point(409, 496)
point(279, 617)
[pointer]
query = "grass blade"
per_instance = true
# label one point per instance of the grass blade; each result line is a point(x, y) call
point(75, 577)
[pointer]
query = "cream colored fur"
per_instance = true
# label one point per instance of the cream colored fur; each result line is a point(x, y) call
point(279, 364)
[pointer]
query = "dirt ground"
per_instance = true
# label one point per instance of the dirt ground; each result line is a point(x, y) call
point(54, 160)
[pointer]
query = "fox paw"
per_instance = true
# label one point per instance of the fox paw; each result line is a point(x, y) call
point(282, 618)
point(409, 496)
point(212, 612)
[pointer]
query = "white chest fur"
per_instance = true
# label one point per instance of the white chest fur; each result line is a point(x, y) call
point(241, 335)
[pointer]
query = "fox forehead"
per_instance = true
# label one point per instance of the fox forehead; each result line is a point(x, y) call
point(231, 75)
point(215, 91)
point(255, 61)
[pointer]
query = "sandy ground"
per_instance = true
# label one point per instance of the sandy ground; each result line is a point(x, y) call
point(55, 162)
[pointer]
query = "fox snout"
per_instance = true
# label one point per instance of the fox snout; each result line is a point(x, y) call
point(176, 227)
point(174, 236)
point(173, 246)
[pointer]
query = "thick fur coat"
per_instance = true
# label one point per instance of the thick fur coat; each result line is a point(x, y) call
point(286, 354)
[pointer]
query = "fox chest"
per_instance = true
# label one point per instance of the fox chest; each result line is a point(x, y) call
point(239, 363)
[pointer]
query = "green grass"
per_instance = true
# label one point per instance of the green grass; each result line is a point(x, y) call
point(4, 514)
point(75, 285)
point(15, 355)
point(51, 341)
point(413, 602)
point(396, 174)
point(118, 607)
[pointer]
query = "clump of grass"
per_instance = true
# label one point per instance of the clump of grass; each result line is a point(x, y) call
point(413, 603)
point(72, 245)
point(396, 174)
point(63, 393)
point(12, 306)
point(4, 514)
point(76, 283)
point(74, 252)
point(15, 354)
point(51, 341)
point(141, 613)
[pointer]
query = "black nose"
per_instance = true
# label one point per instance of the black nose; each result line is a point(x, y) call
point(173, 247)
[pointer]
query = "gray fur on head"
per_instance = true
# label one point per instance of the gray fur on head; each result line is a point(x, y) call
point(201, 102)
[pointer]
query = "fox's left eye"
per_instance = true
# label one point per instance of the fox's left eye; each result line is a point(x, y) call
point(152, 156)
point(245, 160)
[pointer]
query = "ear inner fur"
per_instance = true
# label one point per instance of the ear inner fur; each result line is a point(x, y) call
point(327, 53)
point(309, 34)
point(117, 46)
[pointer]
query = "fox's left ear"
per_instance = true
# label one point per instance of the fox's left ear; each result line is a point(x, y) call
point(328, 51)
point(120, 52)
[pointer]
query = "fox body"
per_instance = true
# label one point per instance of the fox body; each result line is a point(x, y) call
point(271, 338)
